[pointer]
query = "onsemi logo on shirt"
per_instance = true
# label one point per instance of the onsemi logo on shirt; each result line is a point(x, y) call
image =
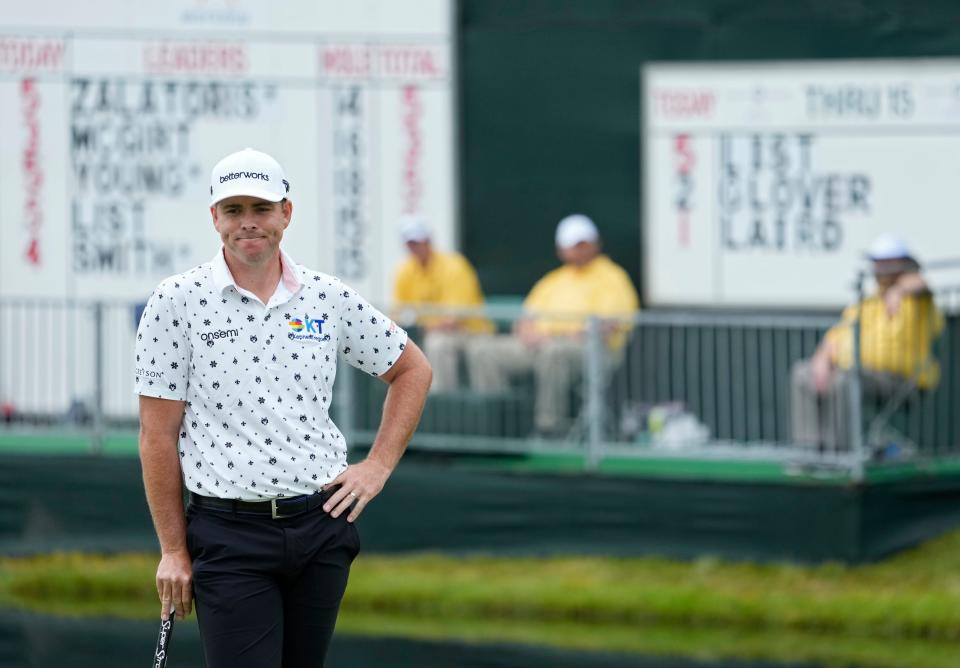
point(306, 328)
point(210, 337)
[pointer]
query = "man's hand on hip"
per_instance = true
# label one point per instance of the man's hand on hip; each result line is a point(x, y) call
point(174, 583)
point(360, 482)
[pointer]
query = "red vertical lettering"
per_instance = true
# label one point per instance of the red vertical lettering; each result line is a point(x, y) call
point(412, 179)
point(684, 160)
point(32, 169)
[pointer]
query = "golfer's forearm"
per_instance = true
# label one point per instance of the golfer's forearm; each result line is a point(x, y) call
point(161, 481)
point(401, 413)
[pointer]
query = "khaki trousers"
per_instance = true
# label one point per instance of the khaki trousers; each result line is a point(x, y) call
point(824, 419)
point(444, 350)
point(556, 365)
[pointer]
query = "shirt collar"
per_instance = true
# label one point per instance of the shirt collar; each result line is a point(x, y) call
point(291, 273)
point(223, 278)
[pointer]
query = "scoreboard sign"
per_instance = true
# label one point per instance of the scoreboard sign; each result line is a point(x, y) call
point(111, 118)
point(764, 183)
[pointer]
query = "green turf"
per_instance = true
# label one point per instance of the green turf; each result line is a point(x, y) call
point(946, 466)
point(124, 443)
point(719, 469)
point(667, 467)
point(43, 442)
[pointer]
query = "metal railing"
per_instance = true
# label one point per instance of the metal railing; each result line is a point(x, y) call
point(67, 363)
point(660, 384)
point(677, 384)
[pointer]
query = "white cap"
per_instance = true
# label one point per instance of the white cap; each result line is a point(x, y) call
point(413, 228)
point(575, 229)
point(888, 247)
point(248, 172)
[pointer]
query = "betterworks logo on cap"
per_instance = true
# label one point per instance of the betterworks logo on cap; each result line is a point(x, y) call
point(248, 172)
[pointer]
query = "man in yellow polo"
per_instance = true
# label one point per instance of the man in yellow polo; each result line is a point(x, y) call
point(550, 337)
point(898, 325)
point(434, 290)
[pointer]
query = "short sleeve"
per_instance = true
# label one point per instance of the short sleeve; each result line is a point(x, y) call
point(162, 348)
point(462, 287)
point(617, 295)
point(403, 292)
point(369, 340)
point(539, 294)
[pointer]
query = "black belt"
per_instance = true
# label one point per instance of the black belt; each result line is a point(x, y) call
point(274, 508)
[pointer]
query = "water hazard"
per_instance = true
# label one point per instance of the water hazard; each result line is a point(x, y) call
point(29, 640)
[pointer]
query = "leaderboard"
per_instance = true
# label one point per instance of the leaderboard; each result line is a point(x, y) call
point(109, 133)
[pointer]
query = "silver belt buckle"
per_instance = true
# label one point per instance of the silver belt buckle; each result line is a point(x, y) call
point(273, 510)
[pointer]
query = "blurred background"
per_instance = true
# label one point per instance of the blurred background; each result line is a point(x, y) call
point(742, 462)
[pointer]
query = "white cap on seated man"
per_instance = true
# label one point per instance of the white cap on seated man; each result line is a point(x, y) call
point(577, 240)
point(413, 228)
point(576, 229)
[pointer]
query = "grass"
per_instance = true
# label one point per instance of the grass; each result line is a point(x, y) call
point(899, 613)
point(916, 595)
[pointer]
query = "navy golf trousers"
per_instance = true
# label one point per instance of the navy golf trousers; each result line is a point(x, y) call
point(267, 591)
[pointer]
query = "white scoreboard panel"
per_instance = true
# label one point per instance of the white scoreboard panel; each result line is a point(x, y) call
point(763, 183)
point(111, 118)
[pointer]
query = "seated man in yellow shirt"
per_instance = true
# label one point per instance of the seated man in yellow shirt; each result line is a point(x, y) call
point(431, 281)
point(550, 337)
point(898, 325)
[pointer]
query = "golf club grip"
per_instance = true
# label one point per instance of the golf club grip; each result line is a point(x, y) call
point(163, 642)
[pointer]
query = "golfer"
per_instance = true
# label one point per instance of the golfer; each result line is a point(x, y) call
point(235, 367)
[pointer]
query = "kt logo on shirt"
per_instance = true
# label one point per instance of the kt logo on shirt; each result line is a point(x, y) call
point(306, 328)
